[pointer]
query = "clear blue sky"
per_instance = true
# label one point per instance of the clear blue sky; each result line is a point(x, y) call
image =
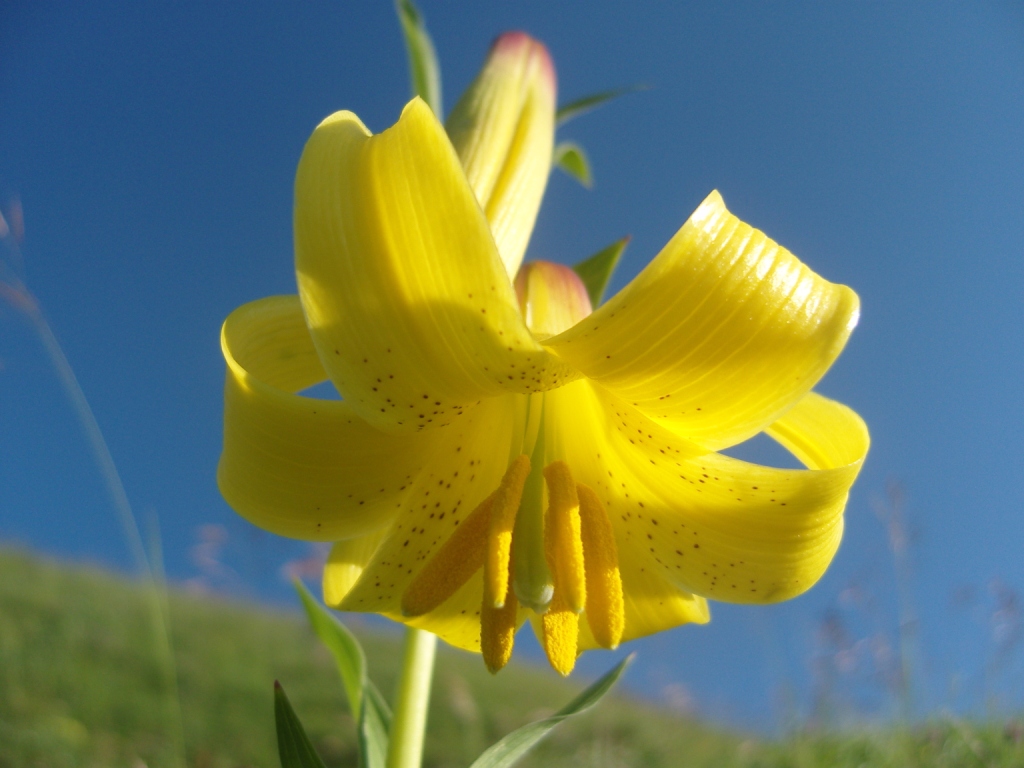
point(153, 146)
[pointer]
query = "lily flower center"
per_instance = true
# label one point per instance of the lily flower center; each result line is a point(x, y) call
point(552, 562)
point(577, 547)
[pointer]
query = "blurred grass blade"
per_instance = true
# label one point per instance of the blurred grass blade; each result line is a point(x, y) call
point(17, 293)
point(424, 71)
point(507, 751)
point(374, 727)
point(579, 107)
point(342, 644)
point(596, 272)
point(570, 157)
point(293, 744)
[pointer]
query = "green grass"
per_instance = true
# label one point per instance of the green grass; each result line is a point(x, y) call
point(81, 685)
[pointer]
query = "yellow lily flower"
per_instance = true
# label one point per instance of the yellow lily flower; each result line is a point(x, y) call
point(502, 452)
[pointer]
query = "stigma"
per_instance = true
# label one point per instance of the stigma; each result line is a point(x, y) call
point(573, 565)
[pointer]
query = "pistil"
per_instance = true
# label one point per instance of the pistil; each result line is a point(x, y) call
point(533, 581)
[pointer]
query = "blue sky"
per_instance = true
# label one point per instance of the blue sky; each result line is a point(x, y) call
point(153, 147)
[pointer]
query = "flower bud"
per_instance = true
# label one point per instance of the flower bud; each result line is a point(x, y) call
point(503, 129)
point(552, 298)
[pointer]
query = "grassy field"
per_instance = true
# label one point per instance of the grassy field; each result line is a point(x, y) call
point(81, 685)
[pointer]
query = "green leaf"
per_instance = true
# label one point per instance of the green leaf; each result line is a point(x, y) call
point(519, 742)
point(293, 744)
point(364, 700)
point(579, 107)
point(374, 727)
point(424, 71)
point(342, 644)
point(596, 272)
point(571, 158)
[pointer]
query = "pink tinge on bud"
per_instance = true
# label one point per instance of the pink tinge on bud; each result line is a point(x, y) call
point(517, 44)
point(551, 297)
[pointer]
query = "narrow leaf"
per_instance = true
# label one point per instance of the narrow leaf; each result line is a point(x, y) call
point(347, 653)
point(293, 745)
point(579, 107)
point(596, 272)
point(424, 71)
point(571, 158)
point(374, 727)
point(507, 751)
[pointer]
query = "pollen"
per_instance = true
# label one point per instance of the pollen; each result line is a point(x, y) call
point(606, 612)
point(498, 628)
point(504, 507)
point(561, 635)
point(563, 540)
point(453, 564)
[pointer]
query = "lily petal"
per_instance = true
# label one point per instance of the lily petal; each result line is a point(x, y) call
point(406, 298)
point(298, 466)
point(719, 335)
point(503, 129)
point(346, 563)
point(461, 473)
point(712, 525)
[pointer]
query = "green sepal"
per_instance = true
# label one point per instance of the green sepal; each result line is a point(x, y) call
point(507, 751)
point(570, 157)
point(293, 745)
point(424, 70)
point(596, 272)
point(581, 106)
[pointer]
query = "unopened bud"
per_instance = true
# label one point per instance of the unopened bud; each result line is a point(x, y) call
point(503, 129)
point(552, 298)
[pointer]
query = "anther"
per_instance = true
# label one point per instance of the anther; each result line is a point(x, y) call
point(504, 507)
point(563, 538)
point(498, 628)
point(452, 565)
point(606, 612)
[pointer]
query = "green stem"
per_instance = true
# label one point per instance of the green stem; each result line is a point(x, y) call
point(409, 723)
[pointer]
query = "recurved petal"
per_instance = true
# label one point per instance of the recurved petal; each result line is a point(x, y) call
point(298, 466)
point(712, 525)
point(503, 129)
point(467, 464)
point(719, 335)
point(406, 298)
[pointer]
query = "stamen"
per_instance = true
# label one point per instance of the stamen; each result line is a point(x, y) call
point(606, 613)
point(452, 565)
point(498, 628)
point(504, 507)
point(561, 634)
point(562, 539)
point(563, 549)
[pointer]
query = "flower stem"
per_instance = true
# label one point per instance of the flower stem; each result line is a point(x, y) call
point(409, 724)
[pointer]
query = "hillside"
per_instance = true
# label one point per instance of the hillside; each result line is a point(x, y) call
point(81, 685)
